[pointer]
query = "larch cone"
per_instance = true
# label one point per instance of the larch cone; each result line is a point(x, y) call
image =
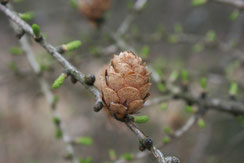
point(94, 10)
point(124, 84)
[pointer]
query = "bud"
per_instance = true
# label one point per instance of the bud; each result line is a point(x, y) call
point(124, 84)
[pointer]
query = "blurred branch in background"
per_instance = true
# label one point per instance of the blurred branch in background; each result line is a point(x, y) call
point(236, 3)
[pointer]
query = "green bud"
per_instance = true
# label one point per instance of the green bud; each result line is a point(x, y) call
point(81, 160)
point(189, 109)
point(184, 75)
point(178, 28)
point(166, 140)
point(112, 154)
point(16, 50)
point(27, 16)
point(233, 89)
point(161, 87)
point(128, 156)
point(159, 71)
point(145, 51)
point(89, 160)
point(173, 38)
point(59, 81)
point(235, 14)
point(204, 83)
point(55, 100)
point(211, 36)
point(198, 48)
point(198, 2)
point(174, 76)
point(141, 119)
point(163, 106)
point(59, 133)
point(85, 140)
point(201, 123)
point(36, 30)
point(167, 130)
point(73, 3)
point(56, 120)
point(72, 45)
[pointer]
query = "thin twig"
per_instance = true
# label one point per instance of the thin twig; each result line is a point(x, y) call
point(80, 77)
point(46, 91)
point(235, 3)
point(52, 51)
point(223, 105)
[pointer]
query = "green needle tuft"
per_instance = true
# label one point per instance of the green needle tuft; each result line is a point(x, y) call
point(36, 30)
point(141, 119)
point(59, 81)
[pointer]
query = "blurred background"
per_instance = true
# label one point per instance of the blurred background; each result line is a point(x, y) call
point(170, 35)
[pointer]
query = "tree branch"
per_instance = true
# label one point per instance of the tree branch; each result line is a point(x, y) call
point(236, 3)
point(81, 78)
point(46, 91)
point(229, 106)
point(146, 142)
point(53, 51)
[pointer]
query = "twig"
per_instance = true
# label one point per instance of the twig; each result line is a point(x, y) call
point(53, 51)
point(229, 106)
point(46, 91)
point(81, 77)
point(190, 122)
point(236, 3)
point(123, 28)
point(147, 142)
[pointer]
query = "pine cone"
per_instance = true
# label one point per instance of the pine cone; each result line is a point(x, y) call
point(124, 84)
point(94, 10)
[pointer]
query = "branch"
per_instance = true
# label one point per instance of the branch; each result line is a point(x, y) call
point(138, 6)
point(46, 91)
point(229, 106)
point(82, 79)
point(146, 142)
point(236, 3)
point(53, 51)
point(188, 125)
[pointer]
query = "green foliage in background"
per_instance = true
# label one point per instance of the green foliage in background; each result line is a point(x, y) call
point(85, 140)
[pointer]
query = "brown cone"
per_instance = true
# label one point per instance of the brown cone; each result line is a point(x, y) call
point(124, 84)
point(94, 10)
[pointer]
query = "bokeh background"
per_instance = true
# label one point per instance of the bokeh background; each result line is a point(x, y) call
point(27, 134)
